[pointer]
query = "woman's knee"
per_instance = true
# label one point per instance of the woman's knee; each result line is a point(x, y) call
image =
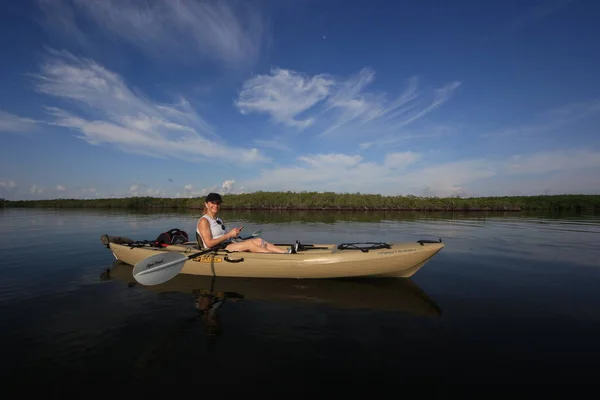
point(259, 242)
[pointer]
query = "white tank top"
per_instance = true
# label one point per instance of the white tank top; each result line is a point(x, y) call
point(216, 229)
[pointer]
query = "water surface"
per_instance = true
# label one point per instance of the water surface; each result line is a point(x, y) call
point(509, 295)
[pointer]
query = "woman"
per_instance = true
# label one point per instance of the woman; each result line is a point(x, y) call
point(211, 231)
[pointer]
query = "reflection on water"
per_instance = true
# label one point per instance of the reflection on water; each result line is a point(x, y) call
point(211, 293)
point(208, 303)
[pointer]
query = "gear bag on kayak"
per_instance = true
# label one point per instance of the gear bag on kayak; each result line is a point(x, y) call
point(172, 236)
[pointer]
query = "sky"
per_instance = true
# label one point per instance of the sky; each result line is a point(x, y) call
point(178, 98)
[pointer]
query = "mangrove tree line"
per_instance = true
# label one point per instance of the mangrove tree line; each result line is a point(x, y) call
point(332, 201)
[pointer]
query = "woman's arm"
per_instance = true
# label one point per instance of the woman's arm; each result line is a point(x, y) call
point(206, 234)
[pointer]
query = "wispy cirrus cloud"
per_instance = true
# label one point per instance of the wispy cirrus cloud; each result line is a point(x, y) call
point(273, 143)
point(551, 161)
point(111, 113)
point(329, 104)
point(60, 16)
point(353, 105)
point(283, 94)
point(390, 140)
point(228, 32)
point(527, 18)
point(555, 118)
point(11, 123)
point(535, 14)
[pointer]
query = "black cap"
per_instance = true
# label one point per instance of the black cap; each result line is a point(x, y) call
point(213, 197)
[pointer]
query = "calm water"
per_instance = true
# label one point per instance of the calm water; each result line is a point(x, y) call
point(512, 297)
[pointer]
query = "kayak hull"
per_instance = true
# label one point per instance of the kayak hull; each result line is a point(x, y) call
point(317, 261)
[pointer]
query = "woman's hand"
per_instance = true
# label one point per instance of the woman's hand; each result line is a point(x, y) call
point(235, 232)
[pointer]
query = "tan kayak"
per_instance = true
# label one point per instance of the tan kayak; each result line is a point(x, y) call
point(368, 259)
point(395, 295)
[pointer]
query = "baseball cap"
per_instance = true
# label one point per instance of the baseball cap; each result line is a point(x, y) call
point(213, 197)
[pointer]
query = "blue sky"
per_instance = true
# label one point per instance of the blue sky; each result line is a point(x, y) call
point(120, 98)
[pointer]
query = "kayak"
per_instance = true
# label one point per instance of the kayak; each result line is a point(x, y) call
point(384, 294)
point(311, 261)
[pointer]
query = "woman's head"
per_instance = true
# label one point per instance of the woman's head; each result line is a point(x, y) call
point(212, 202)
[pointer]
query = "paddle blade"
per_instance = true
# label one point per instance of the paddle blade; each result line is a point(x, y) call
point(158, 268)
point(254, 234)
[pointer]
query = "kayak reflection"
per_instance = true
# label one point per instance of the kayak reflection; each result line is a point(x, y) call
point(208, 303)
point(382, 294)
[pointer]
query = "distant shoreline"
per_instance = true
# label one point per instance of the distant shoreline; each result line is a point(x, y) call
point(329, 201)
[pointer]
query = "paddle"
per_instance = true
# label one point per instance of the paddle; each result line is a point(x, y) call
point(164, 266)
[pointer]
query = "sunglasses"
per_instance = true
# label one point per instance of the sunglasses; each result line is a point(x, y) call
point(221, 223)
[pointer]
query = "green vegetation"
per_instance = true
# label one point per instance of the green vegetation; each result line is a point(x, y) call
point(333, 201)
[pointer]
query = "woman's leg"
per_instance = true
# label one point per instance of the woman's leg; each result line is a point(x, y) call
point(274, 249)
point(255, 245)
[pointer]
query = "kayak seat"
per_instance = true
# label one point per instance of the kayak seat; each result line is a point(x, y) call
point(199, 241)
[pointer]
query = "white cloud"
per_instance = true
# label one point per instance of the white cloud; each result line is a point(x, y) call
point(301, 101)
point(542, 163)
point(7, 184)
point(228, 32)
point(390, 140)
point(273, 143)
point(283, 94)
point(141, 189)
point(35, 189)
point(573, 170)
point(331, 160)
point(336, 172)
point(227, 186)
point(400, 160)
point(351, 104)
point(575, 111)
point(60, 188)
point(116, 115)
point(188, 190)
point(447, 179)
point(551, 119)
point(441, 96)
point(13, 123)
point(134, 189)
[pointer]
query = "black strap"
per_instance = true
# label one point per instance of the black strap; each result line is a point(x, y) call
point(143, 243)
point(365, 248)
point(421, 242)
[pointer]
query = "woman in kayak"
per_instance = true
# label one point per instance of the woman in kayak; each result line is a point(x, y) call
point(210, 230)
